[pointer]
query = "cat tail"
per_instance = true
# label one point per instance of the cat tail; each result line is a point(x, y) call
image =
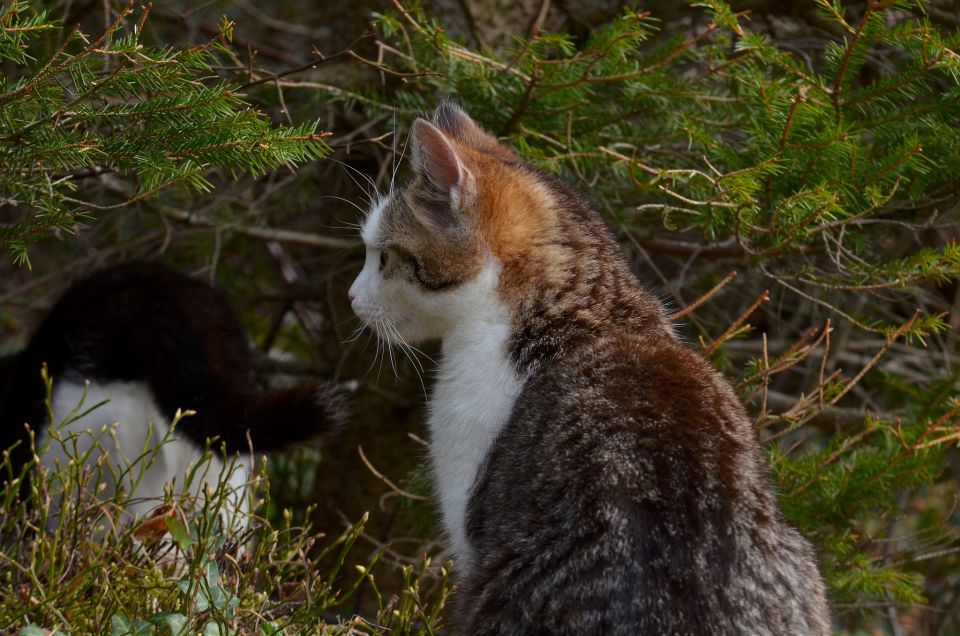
point(271, 421)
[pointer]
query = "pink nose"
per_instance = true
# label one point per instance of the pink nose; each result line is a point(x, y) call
point(351, 296)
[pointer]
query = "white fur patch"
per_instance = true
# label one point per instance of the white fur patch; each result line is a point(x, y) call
point(371, 225)
point(126, 428)
point(476, 388)
point(477, 384)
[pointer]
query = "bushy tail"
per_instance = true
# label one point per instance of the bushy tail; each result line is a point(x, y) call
point(272, 421)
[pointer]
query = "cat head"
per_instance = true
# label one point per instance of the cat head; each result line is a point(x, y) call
point(453, 242)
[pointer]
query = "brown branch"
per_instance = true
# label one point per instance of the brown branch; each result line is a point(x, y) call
point(689, 248)
point(692, 306)
point(820, 302)
point(389, 71)
point(262, 233)
point(395, 488)
point(321, 59)
point(521, 107)
point(828, 416)
point(793, 111)
point(619, 77)
point(764, 297)
point(935, 425)
point(893, 165)
point(46, 71)
point(873, 361)
point(872, 6)
point(459, 51)
point(214, 31)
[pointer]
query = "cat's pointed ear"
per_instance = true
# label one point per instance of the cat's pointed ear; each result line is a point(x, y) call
point(455, 121)
point(437, 160)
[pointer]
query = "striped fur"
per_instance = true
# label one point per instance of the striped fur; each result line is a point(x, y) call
point(595, 475)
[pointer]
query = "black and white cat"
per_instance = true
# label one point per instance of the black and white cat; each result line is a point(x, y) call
point(150, 341)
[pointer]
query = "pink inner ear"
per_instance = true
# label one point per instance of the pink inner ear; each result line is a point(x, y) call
point(435, 157)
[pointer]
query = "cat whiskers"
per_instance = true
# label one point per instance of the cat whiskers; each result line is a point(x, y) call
point(387, 342)
point(408, 350)
point(356, 333)
point(387, 335)
point(397, 162)
point(378, 339)
point(382, 338)
point(414, 350)
point(370, 195)
point(347, 224)
point(344, 199)
point(393, 155)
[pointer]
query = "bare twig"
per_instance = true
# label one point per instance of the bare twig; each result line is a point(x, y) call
point(395, 488)
point(692, 306)
point(726, 335)
point(262, 233)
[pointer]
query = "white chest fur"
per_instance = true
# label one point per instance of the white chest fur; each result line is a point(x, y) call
point(131, 431)
point(475, 391)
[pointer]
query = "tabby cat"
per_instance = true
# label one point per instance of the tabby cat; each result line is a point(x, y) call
point(151, 341)
point(594, 474)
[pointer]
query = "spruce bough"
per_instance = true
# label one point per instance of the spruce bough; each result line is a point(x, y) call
point(155, 116)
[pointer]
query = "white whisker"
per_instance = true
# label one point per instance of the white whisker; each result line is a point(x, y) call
point(348, 201)
point(393, 362)
point(376, 354)
point(365, 344)
point(404, 346)
point(356, 226)
point(355, 334)
point(396, 166)
point(373, 185)
point(408, 351)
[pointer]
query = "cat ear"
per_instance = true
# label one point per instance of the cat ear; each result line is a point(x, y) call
point(436, 159)
point(455, 121)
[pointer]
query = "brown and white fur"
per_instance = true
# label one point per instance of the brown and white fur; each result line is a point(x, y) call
point(594, 475)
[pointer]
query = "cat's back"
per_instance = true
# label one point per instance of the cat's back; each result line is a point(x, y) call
point(142, 342)
point(94, 322)
point(627, 494)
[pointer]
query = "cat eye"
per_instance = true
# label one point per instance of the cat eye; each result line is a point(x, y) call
point(383, 260)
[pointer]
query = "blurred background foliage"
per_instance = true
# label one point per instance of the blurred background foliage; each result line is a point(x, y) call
point(785, 174)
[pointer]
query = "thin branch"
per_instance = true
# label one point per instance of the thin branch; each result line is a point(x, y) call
point(692, 306)
point(262, 233)
point(711, 349)
point(395, 488)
